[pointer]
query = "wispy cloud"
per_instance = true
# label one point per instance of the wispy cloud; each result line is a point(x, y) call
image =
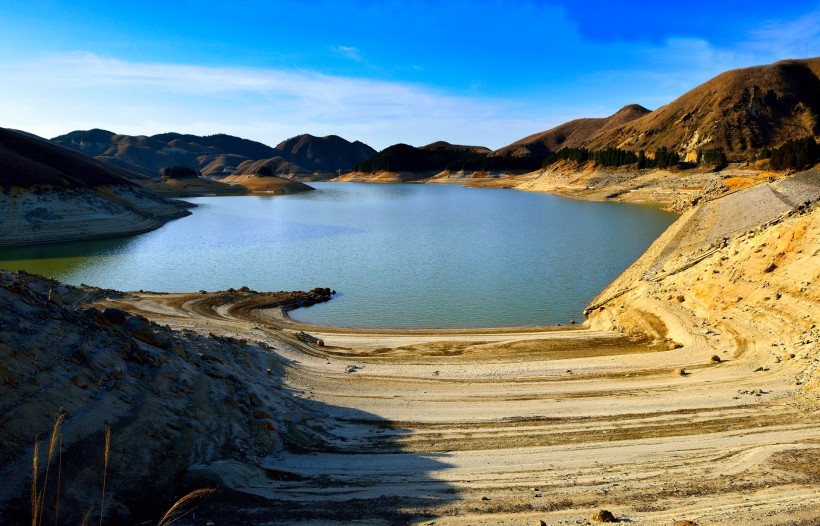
point(349, 52)
point(60, 93)
point(790, 38)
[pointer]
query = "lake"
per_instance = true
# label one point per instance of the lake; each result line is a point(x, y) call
point(404, 256)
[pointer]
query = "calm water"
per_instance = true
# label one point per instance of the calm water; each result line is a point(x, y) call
point(398, 255)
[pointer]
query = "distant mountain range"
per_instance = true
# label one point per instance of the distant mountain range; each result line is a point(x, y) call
point(740, 112)
point(216, 155)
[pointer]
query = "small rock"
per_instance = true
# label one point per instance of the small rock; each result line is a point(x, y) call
point(602, 516)
point(681, 372)
point(115, 316)
point(715, 359)
point(684, 523)
point(261, 413)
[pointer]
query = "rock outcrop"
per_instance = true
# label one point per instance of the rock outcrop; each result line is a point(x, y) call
point(172, 400)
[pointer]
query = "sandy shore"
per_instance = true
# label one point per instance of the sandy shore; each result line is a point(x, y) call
point(671, 404)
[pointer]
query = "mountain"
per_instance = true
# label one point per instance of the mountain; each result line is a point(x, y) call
point(738, 111)
point(741, 112)
point(222, 142)
point(449, 149)
point(54, 194)
point(324, 154)
point(213, 155)
point(27, 160)
point(573, 134)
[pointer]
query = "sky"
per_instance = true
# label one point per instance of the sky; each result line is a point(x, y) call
point(481, 72)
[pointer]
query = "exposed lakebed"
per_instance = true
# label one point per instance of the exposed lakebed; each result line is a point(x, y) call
point(403, 256)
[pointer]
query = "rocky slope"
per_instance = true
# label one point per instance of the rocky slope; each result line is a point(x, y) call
point(53, 194)
point(746, 265)
point(170, 399)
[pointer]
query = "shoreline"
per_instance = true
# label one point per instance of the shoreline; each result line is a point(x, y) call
point(690, 393)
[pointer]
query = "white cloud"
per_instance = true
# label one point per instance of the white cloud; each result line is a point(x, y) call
point(61, 93)
point(349, 52)
point(779, 39)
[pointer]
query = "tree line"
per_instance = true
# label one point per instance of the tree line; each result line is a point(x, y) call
point(796, 154)
point(406, 158)
point(178, 172)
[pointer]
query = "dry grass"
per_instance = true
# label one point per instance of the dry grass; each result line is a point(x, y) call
point(105, 470)
point(179, 509)
point(739, 183)
point(38, 494)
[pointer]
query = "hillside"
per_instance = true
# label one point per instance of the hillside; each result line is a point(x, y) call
point(213, 155)
point(741, 112)
point(54, 194)
point(324, 154)
point(573, 134)
point(26, 160)
point(171, 399)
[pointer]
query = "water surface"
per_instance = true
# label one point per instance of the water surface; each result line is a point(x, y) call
point(398, 255)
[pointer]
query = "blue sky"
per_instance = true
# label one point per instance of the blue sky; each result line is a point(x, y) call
point(468, 72)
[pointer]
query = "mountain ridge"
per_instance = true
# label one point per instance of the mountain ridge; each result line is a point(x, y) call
point(740, 111)
point(215, 155)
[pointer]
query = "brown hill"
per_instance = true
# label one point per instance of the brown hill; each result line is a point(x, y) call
point(53, 194)
point(221, 165)
point(324, 154)
point(741, 111)
point(213, 155)
point(27, 160)
point(573, 134)
point(264, 176)
point(443, 146)
point(273, 166)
